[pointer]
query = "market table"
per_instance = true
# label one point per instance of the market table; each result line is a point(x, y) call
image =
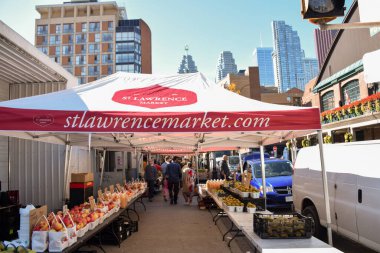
point(244, 224)
point(92, 233)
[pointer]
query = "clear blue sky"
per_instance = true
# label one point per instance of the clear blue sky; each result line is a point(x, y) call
point(207, 26)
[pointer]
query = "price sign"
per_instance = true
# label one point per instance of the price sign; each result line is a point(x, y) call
point(100, 194)
point(64, 209)
point(112, 189)
point(248, 179)
point(92, 203)
point(119, 188)
point(105, 190)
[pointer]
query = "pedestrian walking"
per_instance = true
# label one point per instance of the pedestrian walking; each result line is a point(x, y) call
point(188, 184)
point(174, 176)
point(225, 170)
point(165, 185)
point(150, 177)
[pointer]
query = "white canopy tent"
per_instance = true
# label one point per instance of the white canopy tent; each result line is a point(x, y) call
point(154, 113)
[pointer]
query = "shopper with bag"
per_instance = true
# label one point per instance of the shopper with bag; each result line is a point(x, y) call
point(165, 189)
point(188, 181)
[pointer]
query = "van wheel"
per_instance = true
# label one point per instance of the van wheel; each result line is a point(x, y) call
point(311, 212)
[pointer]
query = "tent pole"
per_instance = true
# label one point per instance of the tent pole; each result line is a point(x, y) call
point(263, 176)
point(89, 151)
point(240, 163)
point(102, 166)
point(68, 166)
point(65, 177)
point(197, 164)
point(325, 188)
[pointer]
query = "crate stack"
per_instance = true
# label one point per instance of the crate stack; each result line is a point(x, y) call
point(81, 188)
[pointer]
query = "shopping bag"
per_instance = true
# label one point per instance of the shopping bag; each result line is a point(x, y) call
point(71, 228)
point(58, 241)
point(40, 234)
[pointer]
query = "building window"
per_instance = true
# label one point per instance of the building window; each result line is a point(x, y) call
point(58, 51)
point(107, 58)
point(42, 29)
point(56, 59)
point(58, 29)
point(328, 101)
point(351, 92)
point(123, 36)
point(80, 59)
point(55, 40)
point(67, 50)
point(107, 37)
point(121, 58)
point(82, 71)
point(97, 37)
point(84, 27)
point(43, 39)
point(109, 69)
point(43, 50)
point(125, 47)
point(94, 27)
point(126, 68)
point(110, 47)
point(93, 48)
point(80, 38)
point(83, 49)
point(69, 69)
point(93, 70)
point(110, 26)
point(70, 61)
point(96, 59)
point(70, 39)
point(373, 88)
point(82, 80)
point(68, 28)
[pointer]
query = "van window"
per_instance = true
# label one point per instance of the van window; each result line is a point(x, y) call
point(277, 169)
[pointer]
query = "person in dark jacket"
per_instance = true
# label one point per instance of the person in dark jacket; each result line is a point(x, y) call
point(225, 171)
point(174, 175)
point(150, 177)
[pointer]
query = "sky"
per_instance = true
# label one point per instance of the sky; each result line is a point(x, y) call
point(207, 26)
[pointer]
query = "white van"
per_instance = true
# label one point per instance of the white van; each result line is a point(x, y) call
point(353, 173)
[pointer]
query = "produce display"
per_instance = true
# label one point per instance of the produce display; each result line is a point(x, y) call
point(231, 201)
point(214, 184)
point(251, 205)
point(282, 226)
point(74, 223)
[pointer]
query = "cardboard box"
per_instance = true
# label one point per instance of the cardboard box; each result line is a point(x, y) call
point(82, 177)
point(34, 215)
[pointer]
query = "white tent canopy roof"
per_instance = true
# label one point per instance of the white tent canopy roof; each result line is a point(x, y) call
point(147, 112)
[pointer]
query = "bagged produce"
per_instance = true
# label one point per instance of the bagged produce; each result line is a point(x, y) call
point(40, 235)
point(58, 235)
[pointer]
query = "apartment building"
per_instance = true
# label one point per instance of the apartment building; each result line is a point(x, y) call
point(93, 39)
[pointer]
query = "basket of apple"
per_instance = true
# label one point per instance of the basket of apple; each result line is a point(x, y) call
point(101, 206)
point(70, 225)
point(58, 235)
point(40, 235)
point(93, 220)
point(80, 219)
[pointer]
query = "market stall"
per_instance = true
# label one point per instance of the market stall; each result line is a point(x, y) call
point(149, 112)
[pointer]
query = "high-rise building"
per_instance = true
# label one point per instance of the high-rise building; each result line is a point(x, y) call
point(226, 65)
point(262, 58)
point(310, 66)
point(187, 64)
point(287, 57)
point(93, 39)
point(323, 41)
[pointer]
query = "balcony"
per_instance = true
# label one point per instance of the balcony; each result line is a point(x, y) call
point(367, 106)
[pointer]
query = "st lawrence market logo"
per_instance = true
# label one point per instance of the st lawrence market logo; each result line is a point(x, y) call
point(155, 96)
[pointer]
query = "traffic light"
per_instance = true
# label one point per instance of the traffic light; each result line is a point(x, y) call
point(324, 11)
